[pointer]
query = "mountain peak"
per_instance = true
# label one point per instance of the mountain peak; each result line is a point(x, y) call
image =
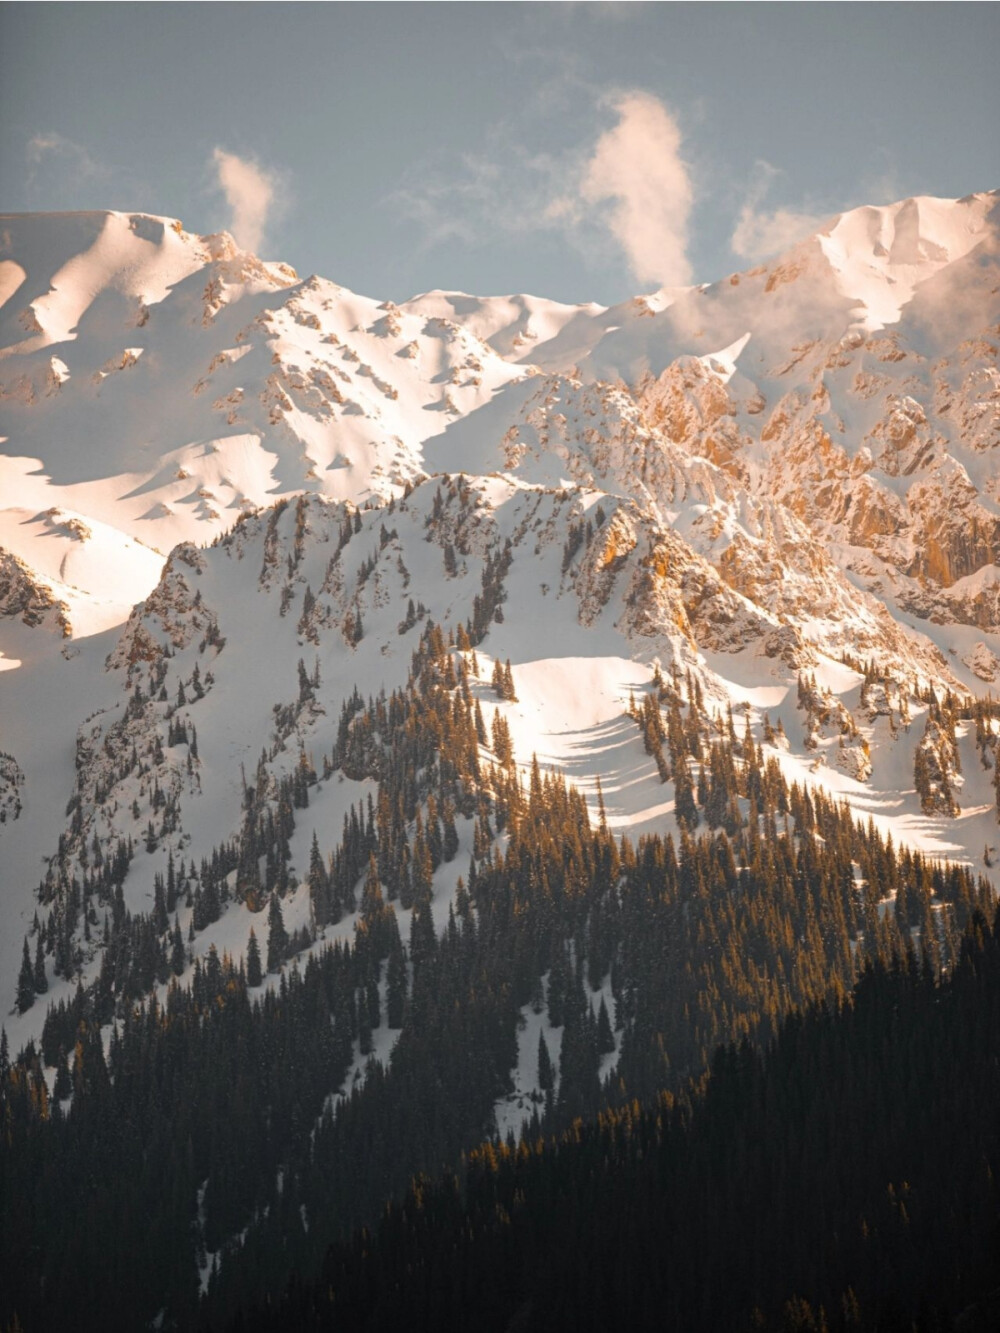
point(784, 482)
point(880, 255)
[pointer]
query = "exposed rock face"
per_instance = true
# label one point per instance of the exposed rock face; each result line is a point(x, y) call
point(898, 485)
point(852, 383)
point(24, 596)
point(11, 784)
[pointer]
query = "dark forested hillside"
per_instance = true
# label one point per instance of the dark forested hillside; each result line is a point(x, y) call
point(843, 1179)
point(202, 1137)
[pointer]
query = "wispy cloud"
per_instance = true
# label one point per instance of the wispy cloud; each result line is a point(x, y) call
point(761, 231)
point(886, 183)
point(49, 153)
point(636, 167)
point(627, 189)
point(469, 205)
point(250, 191)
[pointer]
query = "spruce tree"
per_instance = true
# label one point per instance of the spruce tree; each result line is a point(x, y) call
point(160, 919)
point(481, 726)
point(41, 984)
point(177, 958)
point(449, 837)
point(319, 884)
point(277, 936)
point(305, 684)
point(25, 982)
point(396, 984)
point(502, 747)
point(64, 1084)
point(605, 1037)
point(254, 975)
point(545, 1075)
point(422, 870)
point(364, 1023)
point(422, 940)
point(509, 693)
point(685, 809)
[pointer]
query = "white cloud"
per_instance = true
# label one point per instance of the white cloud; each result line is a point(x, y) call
point(759, 231)
point(468, 209)
point(53, 151)
point(637, 165)
point(250, 194)
point(629, 190)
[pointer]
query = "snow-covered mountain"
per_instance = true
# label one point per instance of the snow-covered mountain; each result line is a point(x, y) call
point(782, 489)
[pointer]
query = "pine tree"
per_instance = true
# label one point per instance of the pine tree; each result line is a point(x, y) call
point(481, 726)
point(373, 1001)
point(25, 982)
point(557, 989)
point(396, 984)
point(685, 809)
point(254, 975)
point(64, 1084)
point(422, 870)
point(605, 1037)
point(319, 884)
point(305, 684)
point(502, 747)
point(277, 936)
point(602, 813)
point(509, 692)
point(41, 984)
point(922, 780)
point(545, 1075)
point(449, 834)
point(422, 940)
point(160, 919)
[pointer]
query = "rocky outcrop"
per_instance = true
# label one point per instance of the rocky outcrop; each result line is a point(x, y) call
point(24, 596)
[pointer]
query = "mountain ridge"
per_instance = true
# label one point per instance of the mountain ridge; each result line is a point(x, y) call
point(753, 481)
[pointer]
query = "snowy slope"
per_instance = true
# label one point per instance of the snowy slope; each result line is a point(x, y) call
point(769, 482)
point(161, 383)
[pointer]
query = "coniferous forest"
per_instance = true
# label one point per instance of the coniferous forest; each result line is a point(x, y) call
point(842, 1178)
point(799, 1130)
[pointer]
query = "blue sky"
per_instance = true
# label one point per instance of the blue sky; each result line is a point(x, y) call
point(583, 152)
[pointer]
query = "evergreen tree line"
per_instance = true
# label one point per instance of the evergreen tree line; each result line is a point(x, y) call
point(708, 942)
point(200, 1098)
point(844, 1179)
point(712, 944)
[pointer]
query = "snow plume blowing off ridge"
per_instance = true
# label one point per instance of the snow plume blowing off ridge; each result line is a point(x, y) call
point(249, 191)
point(638, 165)
point(760, 232)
